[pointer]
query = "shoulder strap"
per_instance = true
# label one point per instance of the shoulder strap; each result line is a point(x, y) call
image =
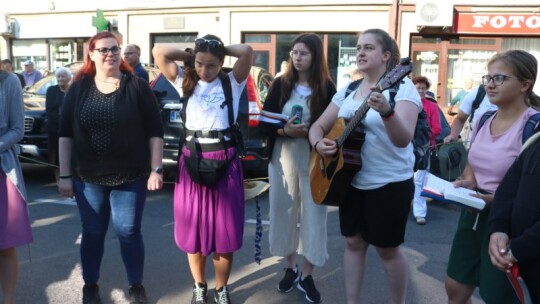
point(483, 119)
point(531, 127)
point(227, 91)
point(477, 100)
point(352, 86)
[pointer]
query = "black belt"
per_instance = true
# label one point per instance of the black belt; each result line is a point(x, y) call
point(211, 147)
point(214, 134)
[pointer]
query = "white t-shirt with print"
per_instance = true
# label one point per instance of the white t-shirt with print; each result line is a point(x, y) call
point(382, 161)
point(299, 96)
point(205, 108)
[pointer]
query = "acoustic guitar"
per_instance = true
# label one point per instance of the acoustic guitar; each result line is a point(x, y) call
point(330, 177)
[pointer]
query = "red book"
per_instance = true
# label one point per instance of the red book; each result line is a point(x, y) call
point(519, 285)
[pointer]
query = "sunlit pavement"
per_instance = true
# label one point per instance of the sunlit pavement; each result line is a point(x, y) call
point(50, 269)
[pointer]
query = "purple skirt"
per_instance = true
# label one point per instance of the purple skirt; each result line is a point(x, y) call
point(210, 219)
point(14, 221)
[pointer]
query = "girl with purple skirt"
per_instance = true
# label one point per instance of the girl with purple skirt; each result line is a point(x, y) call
point(14, 221)
point(208, 219)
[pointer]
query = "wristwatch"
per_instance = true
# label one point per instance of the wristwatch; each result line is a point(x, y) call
point(158, 170)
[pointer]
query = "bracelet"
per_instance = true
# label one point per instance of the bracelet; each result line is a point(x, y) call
point(65, 176)
point(315, 146)
point(388, 114)
point(284, 134)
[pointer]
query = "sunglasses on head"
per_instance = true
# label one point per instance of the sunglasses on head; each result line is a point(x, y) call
point(104, 51)
point(207, 43)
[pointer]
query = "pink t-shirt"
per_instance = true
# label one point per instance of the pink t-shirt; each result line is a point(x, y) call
point(490, 156)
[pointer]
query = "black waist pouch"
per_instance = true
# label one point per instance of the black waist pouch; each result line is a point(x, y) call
point(206, 171)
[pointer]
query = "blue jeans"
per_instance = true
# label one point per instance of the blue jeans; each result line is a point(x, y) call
point(96, 205)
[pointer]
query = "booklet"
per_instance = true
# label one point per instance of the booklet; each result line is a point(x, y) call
point(442, 190)
point(274, 118)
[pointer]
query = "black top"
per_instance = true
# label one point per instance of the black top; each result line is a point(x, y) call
point(53, 102)
point(516, 212)
point(136, 119)
point(272, 104)
point(21, 79)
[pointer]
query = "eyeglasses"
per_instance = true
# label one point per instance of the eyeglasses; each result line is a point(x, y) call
point(498, 79)
point(299, 53)
point(104, 51)
point(207, 43)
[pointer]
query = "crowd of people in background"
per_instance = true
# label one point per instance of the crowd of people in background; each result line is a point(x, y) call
point(110, 98)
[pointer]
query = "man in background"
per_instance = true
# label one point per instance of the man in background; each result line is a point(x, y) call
point(132, 56)
point(8, 67)
point(30, 74)
point(466, 109)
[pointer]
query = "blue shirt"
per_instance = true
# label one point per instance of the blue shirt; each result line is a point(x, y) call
point(32, 78)
point(141, 72)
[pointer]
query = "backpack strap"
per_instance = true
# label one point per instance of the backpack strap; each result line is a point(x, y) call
point(227, 91)
point(477, 100)
point(352, 86)
point(483, 119)
point(531, 127)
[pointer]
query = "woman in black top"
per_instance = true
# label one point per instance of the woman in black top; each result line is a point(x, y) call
point(53, 101)
point(111, 133)
point(514, 220)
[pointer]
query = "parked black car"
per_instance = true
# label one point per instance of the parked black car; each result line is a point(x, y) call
point(33, 147)
point(256, 161)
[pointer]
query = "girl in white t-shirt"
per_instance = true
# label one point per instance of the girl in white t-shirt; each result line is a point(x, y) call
point(378, 200)
point(208, 219)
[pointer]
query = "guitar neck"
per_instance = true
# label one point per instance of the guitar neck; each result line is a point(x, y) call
point(354, 121)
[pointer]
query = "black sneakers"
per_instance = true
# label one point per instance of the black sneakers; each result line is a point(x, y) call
point(287, 283)
point(91, 294)
point(199, 293)
point(308, 287)
point(137, 295)
point(222, 296)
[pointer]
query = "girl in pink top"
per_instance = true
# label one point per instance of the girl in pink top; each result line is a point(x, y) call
point(494, 147)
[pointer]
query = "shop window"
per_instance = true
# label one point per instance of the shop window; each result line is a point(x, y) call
point(464, 67)
point(258, 38)
point(176, 40)
point(61, 53)
point(261, 59)
point(35, 50)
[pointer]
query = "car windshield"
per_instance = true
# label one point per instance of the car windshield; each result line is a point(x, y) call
point(40, 87)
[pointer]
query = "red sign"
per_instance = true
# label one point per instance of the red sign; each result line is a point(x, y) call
point(524, 24)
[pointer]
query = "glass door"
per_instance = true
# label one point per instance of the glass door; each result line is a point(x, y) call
point(426, 63)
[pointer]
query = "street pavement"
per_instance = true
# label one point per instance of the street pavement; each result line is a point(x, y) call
point(50, 269)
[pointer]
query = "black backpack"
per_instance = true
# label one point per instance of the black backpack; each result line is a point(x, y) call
point(422, 131)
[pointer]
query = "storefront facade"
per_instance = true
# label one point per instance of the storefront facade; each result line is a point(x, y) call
point(456, 53)
point(269, 27)
point(449, 42)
